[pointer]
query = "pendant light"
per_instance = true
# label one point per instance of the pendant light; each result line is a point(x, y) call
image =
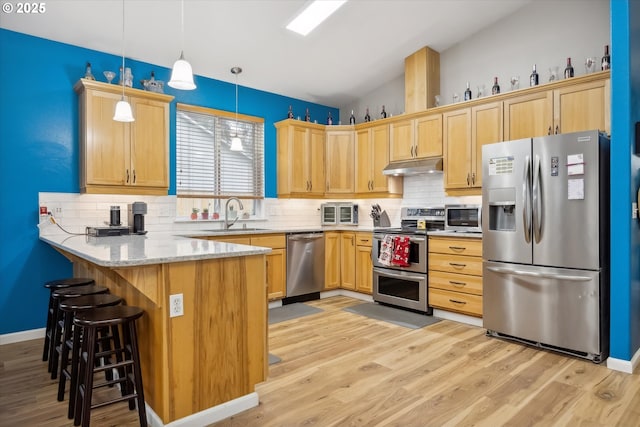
point(236, 142)
point(182, 73)
point(123, 109)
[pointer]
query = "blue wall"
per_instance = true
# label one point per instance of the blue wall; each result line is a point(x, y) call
point(625, 178)
point(39, 152)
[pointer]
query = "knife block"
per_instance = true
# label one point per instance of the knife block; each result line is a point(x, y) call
point(383, 221)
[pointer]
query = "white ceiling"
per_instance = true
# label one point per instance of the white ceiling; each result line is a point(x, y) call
point(359, 48)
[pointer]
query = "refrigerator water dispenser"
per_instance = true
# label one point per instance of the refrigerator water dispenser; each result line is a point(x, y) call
point(502, 209)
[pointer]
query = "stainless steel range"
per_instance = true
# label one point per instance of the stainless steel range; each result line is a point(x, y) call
point(403, 282)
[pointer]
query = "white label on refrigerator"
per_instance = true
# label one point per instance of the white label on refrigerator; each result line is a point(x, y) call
point(576, 189)
point(575, 164)
point(501, 165)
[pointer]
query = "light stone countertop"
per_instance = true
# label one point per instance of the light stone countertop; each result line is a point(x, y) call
point(152, 248)
point(445, 233)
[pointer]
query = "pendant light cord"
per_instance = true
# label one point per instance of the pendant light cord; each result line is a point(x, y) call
point(122, 75)
point(236, 104)
point(182, 25)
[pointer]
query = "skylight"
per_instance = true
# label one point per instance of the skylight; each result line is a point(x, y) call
point(313, 15)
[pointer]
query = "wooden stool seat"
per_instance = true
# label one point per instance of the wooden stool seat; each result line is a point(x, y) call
point(55, 338)
point(71, 341)
point(127, 360)
point(54, 285)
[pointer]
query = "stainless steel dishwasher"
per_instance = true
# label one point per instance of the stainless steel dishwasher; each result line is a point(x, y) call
point(305, 266)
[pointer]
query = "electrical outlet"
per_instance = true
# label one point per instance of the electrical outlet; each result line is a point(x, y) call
point(56, 210)
point(176, 306)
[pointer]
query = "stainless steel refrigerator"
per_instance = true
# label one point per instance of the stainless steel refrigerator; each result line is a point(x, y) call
point(545, 225)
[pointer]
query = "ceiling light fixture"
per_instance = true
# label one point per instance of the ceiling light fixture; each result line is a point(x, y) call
point(236, 142)
point(182, 73)
point(123, 109)
point(313, 15)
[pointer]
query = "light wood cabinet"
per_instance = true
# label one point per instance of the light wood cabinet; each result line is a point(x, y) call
point(276, 261)
point(340, 161)
point(465, 132)
point(455, 274)
point(300, 157)
point(417, 138)
point(364, 264)
point(348, 260)
point(421, 79)
point(567, 107)
point(117, 157)
point(331, 260)
point(372, 156)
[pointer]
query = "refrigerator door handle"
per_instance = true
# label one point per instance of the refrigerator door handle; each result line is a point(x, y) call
point(566, 277)
point(526, 196)
point(537, 201)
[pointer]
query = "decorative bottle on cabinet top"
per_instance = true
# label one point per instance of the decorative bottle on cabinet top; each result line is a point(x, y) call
point(329, 119)
point(290, 113)
point(534, 78)
point(352, 119)
point(568, 71)
point(467, 93)
point(495, 89)
point(367, 117)
point(606, 59)
point(307, 117)
point(87, 73)
point(383, 114)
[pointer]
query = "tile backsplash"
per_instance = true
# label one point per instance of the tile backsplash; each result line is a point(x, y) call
point(75, 211)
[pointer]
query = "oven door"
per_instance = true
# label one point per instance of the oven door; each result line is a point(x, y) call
point(417, 253)
point(400, 288)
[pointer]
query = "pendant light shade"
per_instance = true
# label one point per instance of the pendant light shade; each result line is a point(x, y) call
point(123, 112)
point(123, 109)
point(182, 73)
point(236, 142)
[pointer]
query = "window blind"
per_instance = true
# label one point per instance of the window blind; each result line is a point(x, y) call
point(206, 167)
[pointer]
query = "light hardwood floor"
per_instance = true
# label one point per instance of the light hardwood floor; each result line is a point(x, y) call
point(342, 369)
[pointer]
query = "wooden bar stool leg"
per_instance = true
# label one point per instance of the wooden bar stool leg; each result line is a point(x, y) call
point(85, 389)
point(75, 360)
point(54, 341)
point(137, 373)
point(64, 354)
point(47, 340)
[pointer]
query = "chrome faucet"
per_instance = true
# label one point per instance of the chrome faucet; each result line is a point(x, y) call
point(227, 224)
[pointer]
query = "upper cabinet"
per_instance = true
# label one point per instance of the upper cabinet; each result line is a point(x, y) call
point(578, 104)
point(372, 156)
point(417, 138)
point(123, 158)
point(300, 160)
point(340, 160)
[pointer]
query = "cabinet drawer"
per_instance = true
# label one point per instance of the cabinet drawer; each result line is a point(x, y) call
point(269, 241)
point(455, 264)
point(456, 301)
point(456, 246)
point(364, 239)
point(227, 239)
point(455, 282)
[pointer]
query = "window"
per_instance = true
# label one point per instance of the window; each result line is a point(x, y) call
point(207, 170)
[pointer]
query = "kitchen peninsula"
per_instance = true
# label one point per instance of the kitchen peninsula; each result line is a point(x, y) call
point(213, 354)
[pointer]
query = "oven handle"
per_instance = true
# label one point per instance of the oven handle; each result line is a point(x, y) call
point(412, 239)
point(399, 274)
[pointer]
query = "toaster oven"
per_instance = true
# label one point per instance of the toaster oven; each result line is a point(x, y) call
point(339, 213)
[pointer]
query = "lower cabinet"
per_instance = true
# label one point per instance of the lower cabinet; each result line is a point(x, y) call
point(276, 261)
point(364, 265)
point(331, 260)
point(348, 260)
point(455, 274)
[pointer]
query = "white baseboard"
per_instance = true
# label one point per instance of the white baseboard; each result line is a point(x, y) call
point(346, 293)
point(208, 416)
point(627, 366)
point(275, 304)
point(22, 336)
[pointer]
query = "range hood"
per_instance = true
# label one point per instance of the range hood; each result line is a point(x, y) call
point(414, 167)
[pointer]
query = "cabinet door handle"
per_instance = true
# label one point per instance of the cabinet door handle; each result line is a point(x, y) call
point(457, 248)
point(453, 264)
point(310, 185)
point(557, 129)
point(457, 284)
point(134, 176)
point(549, 131)
point(455, 301)
point(468, 180)
point(127, 176)
point(415, 151)
point(473, 178)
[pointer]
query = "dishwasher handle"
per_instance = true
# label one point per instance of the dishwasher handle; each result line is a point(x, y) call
point(302, 237)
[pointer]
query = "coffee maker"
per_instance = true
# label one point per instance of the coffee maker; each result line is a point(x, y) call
point(137, 211)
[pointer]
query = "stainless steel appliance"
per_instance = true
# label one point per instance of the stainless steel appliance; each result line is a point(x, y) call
point(137, 211)
point(339, 214)
point(545, 240)
point(465, 218)
point(406, 286)
point(305, 266)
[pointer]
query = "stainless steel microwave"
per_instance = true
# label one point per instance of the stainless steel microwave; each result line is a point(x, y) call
point(466, 218)
point(339, 213)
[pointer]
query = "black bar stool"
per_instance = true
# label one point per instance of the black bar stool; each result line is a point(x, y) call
point(53, 286)
point(56, 334)
point(127, 360)
point(69, 308)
